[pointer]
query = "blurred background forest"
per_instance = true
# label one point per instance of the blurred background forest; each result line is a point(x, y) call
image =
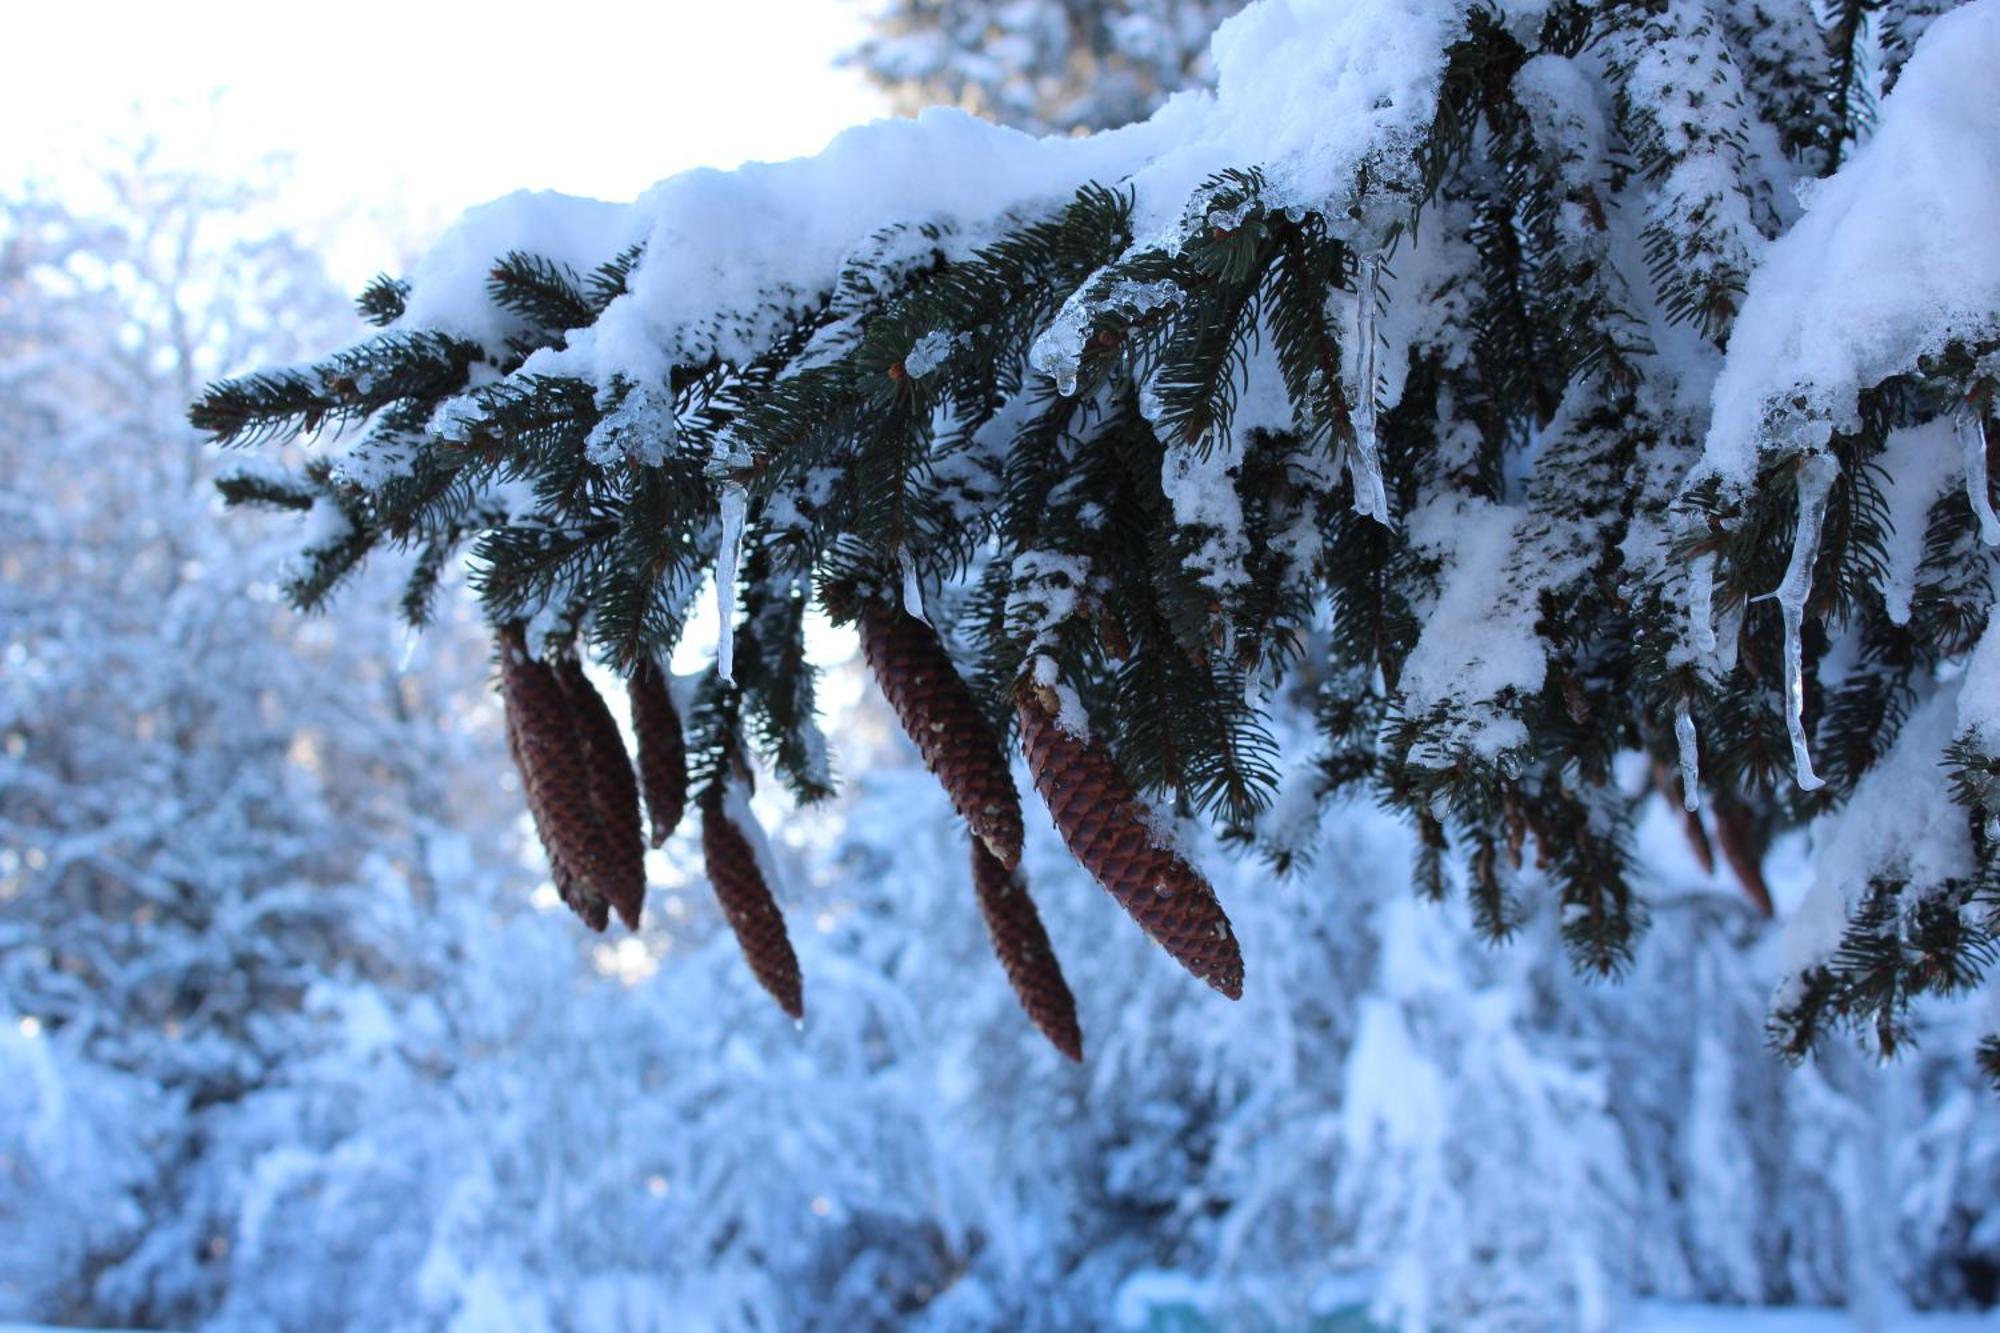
point(293, 1034)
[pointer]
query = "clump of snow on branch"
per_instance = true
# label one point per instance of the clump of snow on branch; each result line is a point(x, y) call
point(1308, 89)
point(1901, 824)
point(1896, 256)
point(1478, 648)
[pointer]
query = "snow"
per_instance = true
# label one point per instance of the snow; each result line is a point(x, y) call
point(1667, 1317)
point(448, 285)
point(1478, 644)
point(326, 526)
point(1152, 1295)
point(733, 241)
point(1047, 592)
point(1897, 256)
point(1979, 691)
point(736, 809)
point(472, 1123)
point(1556, 92)
point(1684, 81)
point(1200, 483)
point(1307, 89)
point(1900, 824)
point(1919, 464)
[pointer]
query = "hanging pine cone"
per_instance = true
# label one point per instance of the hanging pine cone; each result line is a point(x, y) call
point(751, 910)
point(1022, 946)
point(596, 913)
point(1738, 836)
point(662, 749)
point(938, 712)
point(614, 793)
point(541, 736)
point(1110, 831)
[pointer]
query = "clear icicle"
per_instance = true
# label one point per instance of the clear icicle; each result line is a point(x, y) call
point(1972, 439)
point(1690, 757)
point(913, 590)
point(735, 501)
point(1815, 482)
point(1701, 603)
point(1364, 460)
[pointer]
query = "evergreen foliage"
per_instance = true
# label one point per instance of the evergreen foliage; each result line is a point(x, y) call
point(1415, 441)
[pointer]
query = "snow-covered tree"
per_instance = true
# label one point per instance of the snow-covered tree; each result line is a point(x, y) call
point(220, 824)
point(1531, 385)
point(1042, 65)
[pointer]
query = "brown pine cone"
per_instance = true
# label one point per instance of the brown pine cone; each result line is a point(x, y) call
point(752, 912)
point(541, 736)
point(1740, 848)
point(1109, 830)
point(596, 913)
point(614, 793)
point(938, 712)
point(1022, 946)
point(662, 749)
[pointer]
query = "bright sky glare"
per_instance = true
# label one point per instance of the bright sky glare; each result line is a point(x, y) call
point(400, 115)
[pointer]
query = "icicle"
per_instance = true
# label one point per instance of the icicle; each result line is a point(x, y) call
point(1690, 757)
point(1701, 602)
point(913, 591)
point(735, 500)
point(1815, 482)
point(1972, 439)
point(1364, 460)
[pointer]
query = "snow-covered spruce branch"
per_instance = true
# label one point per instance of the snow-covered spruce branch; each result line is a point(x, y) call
point(1393, 370)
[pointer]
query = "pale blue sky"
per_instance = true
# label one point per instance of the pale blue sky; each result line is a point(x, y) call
point(406, 113)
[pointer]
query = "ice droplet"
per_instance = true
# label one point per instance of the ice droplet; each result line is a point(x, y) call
point(1364, 460)
point(1815, 482)
point(1690, 757)
point(734, 502)
point(1978, 489)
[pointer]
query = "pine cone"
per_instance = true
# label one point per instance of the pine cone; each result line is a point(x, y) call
point(1740, 848)
point(541, 736)
point(1109, 830)
point(752, 912)
point(1022, 946)
point(596, 913)
point(614, 793)
point(938, 712)
point(662, 749)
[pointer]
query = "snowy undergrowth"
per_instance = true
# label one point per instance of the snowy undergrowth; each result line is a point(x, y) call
point(1471, 1137)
